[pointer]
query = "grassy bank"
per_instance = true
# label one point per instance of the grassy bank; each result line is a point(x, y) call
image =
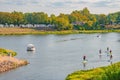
point(7, 52)
point(8, 62)
point(111, 72)
point(25, 31)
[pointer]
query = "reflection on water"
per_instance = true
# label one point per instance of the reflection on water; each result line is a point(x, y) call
point(68, 39)
point(118, 40)
point(58, 55)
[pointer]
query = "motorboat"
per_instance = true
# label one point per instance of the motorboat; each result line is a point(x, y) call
point(30, 47)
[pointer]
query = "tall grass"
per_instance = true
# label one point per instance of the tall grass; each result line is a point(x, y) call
point(111, 72)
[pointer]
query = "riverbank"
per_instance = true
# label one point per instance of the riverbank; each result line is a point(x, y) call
point(25, 31)
point(110, 72)
point(7, 52)
point(8, 61)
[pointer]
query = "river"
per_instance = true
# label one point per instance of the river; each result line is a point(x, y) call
point(58, 55)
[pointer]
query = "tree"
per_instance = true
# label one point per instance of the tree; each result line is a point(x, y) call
point(28, 18)
point(5, 17)
point(52, 19)
point(85, 11)
point(118, 20)
point(17, 17)
point(102, 19)
point(63, 24)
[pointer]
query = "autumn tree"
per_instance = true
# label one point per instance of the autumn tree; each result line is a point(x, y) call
point(52, 19)
point(17, 17)
point(63, 24)
point(5, 17)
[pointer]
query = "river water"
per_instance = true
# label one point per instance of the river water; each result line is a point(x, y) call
point(58, 55)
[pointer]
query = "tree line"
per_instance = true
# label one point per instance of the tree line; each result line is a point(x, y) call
point(78, 19)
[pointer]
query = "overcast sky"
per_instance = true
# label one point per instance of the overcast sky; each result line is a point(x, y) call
point(60, 6)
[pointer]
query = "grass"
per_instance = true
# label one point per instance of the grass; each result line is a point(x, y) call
point(5, 52)
point(25, 31)
point(110, 72)
point(9, 62)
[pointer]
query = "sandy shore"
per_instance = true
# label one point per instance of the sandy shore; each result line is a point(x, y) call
point(7, 63)
point(28, 31)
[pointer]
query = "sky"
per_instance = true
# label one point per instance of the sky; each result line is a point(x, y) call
point(60, 6)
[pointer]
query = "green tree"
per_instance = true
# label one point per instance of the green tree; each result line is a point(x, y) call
point(102, 19)
point(5, 17)
point(28, 18)
point(17, 17)
point(85, 11)
point(40, 18)
point(52, 19)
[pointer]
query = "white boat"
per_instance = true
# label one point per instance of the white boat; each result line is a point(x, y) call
point(30, 47)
